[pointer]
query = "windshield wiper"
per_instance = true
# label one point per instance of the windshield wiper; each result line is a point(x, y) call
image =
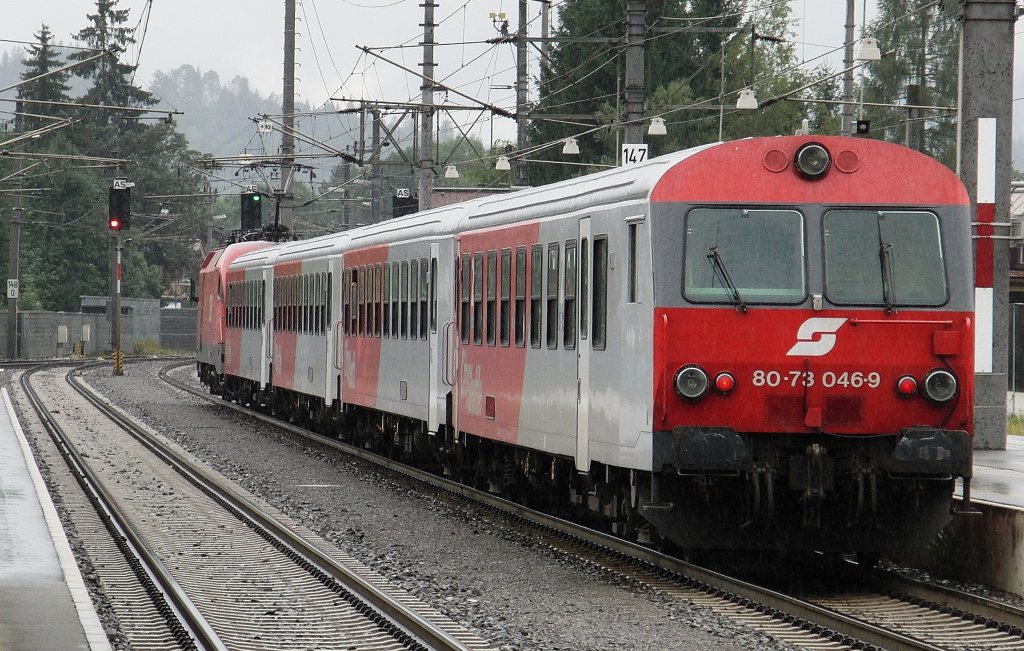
point(722, 274)
point(888, 281)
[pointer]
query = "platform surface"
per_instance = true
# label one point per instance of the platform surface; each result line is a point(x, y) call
point(999, 474)
point(44, 603)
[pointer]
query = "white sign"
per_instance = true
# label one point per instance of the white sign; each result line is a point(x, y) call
point(120, 184)
point(633, 154)
point(12, 288)
point(402, 193)
point(265, 126)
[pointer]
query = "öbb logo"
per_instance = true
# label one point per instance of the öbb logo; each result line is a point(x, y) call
point(816, 337)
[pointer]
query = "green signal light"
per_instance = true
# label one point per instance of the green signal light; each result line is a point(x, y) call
point(255, 197)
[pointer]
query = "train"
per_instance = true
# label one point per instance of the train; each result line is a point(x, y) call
point(761, 344)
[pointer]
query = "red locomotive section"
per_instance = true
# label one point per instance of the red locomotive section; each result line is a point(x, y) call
point(490, 376)
point(213, 290)
point(862, 171)
point(801, 371)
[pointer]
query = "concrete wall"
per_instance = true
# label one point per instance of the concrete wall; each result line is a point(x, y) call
point(40, 334)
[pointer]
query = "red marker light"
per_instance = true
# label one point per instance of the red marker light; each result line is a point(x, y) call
point(907, 386)
point(725, 382)
point(114, 223)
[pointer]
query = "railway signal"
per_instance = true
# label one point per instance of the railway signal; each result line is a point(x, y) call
point(251, 210)
point(119, 206)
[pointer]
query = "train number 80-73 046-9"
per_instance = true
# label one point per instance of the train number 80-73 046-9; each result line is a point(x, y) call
point(827, 379)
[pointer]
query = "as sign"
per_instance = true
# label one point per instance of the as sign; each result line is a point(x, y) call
point(633, 154)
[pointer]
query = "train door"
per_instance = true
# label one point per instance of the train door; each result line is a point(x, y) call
point(335, 316)
point(583, 347)
point(267, 334)
point(442, 283)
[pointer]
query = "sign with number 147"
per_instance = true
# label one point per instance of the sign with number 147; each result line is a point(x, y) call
point(633, 154)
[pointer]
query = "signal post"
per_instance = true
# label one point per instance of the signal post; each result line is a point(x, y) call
point(118, 219)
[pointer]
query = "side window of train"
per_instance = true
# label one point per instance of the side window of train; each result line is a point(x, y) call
point(506, 296)
point(536, 292)
point(378, 308)
point(552, 296)
point(404, 302)
point(478, 298)
point(569, 291)
point(599, 287)
point(465, 270)
point(433, 294)
point(584, 286)
point(414, 290)
point(395, 296)
point(329, 298)
point(425, 284)
point(632, 294)
point(386, 319)
point(520, 292)
point(492, 286)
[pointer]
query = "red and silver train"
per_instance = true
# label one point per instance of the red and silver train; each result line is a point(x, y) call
point(761, 344)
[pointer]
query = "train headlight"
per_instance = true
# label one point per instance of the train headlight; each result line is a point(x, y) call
point(691, 382)
point(940, 385)
point(813, 160)
point(907, 386)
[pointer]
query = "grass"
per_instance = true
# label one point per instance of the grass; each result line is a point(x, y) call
point(1015, 425)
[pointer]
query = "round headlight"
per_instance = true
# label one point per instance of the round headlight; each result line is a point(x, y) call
point(940, 385)
point(813, 160)
point(691, 382)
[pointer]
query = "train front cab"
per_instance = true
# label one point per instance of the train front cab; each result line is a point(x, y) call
point(211, 330)
point(813, 348)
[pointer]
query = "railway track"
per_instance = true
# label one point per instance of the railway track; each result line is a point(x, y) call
point(900, 614)
point(222, 570)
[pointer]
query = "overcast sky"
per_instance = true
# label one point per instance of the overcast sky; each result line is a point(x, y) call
point(244, 37)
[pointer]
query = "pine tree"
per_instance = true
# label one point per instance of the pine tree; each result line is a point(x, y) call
point(41, 83)
point(920, 42)
point(112, 81)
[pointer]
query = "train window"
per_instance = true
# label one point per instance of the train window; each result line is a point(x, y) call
point(631, 279)
point(536, 293)
point(424, 295)
point(303, 303)
point(506, 296)
point(433, 294)
point(492, 283)
point(599, 286)
point(414, 312)
point(569, 291)
point(403, 304)
point(295, 303)
point(386, 285)
point(584, 286)
point(329, 306)
point(478, 298)
point(520, 292)
point(552, 296)
point(352, 307)
point(464, 316)
point(395, 297)
point(739, 256)
point(378, 308)
point(885, 257)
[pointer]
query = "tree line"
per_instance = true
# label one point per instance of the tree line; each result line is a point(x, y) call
point(698, 55)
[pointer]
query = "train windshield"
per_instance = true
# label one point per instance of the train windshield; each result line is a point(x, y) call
point(744, 256)
point(883, 257)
